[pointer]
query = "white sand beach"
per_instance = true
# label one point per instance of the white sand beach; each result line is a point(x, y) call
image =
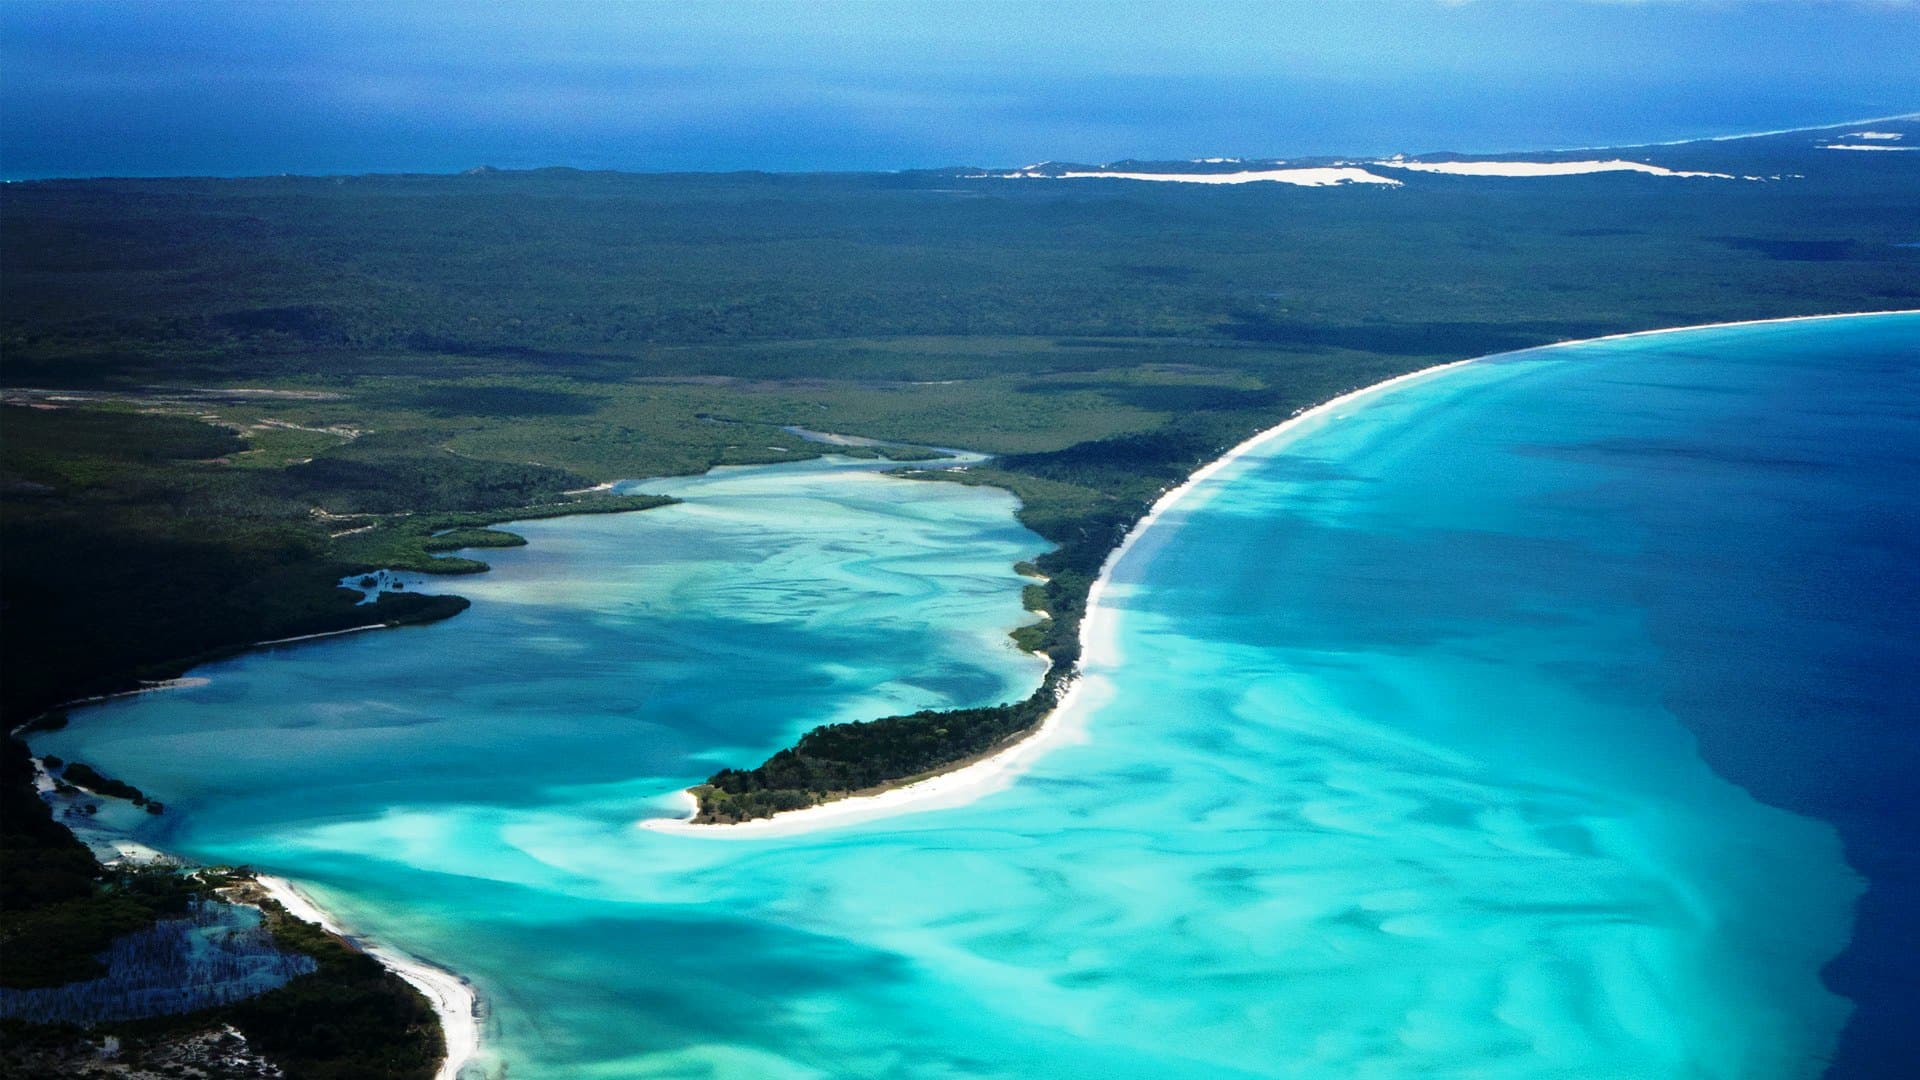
point(1722, 326)
point(948, 789)
point(1866, 146)
point(316, 637)
point(183, 683)
point(1067, 723)
point(452, 997)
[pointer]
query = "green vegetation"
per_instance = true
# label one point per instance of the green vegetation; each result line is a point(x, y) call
point(84, 775)
point(347, 1021)
point(136, 544)
point(135, 548)
point(1083, 498)
point(417, 541)
point(350, 1020)
point(58, 907)
point(840, 758)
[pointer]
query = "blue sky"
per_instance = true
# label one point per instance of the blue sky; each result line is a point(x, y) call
point(134, 88)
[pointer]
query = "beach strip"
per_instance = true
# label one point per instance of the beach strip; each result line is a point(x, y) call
point(941, 790)
point(452, 997)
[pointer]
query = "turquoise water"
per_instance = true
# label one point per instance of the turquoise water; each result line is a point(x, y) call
point(1411, 755)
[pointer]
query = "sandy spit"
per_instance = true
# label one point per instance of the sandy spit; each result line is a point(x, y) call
point(1067, 724)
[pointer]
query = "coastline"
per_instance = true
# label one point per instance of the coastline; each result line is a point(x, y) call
point(323, 634)
point(1702, 326)
point(454, 1001)
point(452, 997)
point(1066, 723)
point(188, 682)
point(942, 790)
point(1736, 138)
point(184, 682)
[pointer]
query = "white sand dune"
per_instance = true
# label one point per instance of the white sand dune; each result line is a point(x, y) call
point(1327, 176)
point(1333, 175)
point(1541, 168)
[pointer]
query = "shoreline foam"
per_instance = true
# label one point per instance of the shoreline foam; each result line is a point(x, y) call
point(452, 997)
point(1067, 720)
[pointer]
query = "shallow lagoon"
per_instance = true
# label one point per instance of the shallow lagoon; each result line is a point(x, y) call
point(1400, 771)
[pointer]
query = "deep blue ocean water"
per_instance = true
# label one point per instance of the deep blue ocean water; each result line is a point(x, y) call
point(1550, 716)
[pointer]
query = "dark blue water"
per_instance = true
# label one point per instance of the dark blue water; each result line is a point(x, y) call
point(1781, 582)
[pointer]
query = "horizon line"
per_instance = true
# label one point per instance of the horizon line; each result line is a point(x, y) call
point(1912, 115)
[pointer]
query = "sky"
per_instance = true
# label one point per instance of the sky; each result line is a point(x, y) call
point(198, 87)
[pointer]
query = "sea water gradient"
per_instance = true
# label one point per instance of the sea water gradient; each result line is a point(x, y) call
point(1413, 755)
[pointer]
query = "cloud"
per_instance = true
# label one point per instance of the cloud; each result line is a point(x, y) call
point(237, 87)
